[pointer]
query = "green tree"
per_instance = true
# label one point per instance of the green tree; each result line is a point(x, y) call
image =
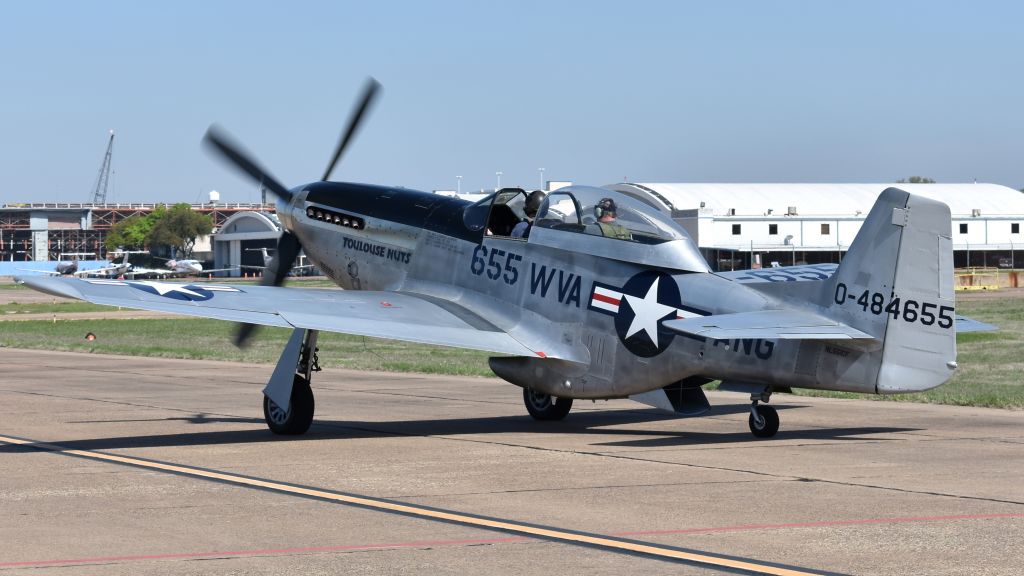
point(916, 180)
point(133, 233)
point(179, 228)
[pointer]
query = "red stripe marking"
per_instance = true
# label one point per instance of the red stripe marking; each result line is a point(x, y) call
point(511, 539)
point(606, 299)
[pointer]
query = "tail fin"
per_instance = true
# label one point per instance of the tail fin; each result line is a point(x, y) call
point(896, 283)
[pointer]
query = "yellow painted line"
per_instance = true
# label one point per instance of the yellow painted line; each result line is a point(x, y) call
point(487, 523)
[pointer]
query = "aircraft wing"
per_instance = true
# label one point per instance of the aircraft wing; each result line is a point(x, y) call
point(297, 267)
point(767, 324)
point(393, 315)
point(95, 271)
point(137, 271)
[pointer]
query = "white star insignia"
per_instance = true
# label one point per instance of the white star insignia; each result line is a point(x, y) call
point(647, 312)
point(163, 288)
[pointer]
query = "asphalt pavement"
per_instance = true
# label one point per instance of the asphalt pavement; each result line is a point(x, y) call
point(120, 465)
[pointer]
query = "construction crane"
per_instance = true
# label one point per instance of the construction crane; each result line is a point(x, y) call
point(99, 196)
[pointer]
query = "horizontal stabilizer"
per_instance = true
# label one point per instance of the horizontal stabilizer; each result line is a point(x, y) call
point(965, 325)
point(766, 324)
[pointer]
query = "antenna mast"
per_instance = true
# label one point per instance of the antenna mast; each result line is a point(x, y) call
point(99, 196)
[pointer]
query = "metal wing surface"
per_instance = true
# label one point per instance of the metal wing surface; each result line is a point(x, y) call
point(965, 325)
point(768, 324)
point(393, 315)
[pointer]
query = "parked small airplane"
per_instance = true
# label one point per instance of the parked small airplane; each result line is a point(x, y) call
point(71, 268)
point(297, 269)
point(607, 297)
point(67, 268)
point(184, 267)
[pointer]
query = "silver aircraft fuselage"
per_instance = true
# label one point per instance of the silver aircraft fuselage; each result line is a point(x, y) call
point(567, 290)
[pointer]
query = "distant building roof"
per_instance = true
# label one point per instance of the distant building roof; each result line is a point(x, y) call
point(826, 199)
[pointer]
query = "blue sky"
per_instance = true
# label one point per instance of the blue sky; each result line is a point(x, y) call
point(595, 92)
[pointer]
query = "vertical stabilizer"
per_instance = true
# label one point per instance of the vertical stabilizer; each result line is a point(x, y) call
point(896, 283)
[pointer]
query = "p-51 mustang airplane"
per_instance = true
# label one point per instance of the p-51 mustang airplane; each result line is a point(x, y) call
point(572, 311)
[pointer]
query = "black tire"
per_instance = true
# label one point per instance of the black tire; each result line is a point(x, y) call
point(769, 424)
point(545, 406)
point(299, 416)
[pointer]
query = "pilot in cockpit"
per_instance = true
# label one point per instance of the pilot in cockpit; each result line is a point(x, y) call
point(606, 213)
point(533, 202)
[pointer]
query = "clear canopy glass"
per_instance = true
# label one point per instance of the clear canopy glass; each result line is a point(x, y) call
point(602, 212)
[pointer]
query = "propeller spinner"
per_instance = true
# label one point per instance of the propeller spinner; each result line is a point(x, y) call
point(288, 245)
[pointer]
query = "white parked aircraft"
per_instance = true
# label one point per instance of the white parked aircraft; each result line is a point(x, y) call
point(296, 270)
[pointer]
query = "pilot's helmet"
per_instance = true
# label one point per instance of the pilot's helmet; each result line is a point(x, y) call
point(606, 207)
point(533, 202)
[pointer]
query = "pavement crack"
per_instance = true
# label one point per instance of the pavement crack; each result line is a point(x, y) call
point(573, 489)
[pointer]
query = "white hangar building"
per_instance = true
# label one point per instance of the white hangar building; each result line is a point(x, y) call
point(743, 225)
point(238, 241)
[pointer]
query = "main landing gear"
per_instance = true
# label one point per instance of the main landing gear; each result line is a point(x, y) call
point(764, 420)
point(288, 403)
point(545, 406)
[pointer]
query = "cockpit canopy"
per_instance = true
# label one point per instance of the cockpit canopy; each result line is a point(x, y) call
point(601, 212)
point(589, 220)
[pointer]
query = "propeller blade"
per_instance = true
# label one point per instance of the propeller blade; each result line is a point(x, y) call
point(221, 142)
point(369, 94)
point(288, 248)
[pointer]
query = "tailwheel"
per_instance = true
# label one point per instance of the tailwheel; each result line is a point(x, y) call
point(545, 406)
point(299, 416)
point(764, 421)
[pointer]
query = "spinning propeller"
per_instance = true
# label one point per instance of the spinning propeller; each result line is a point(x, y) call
point(288, 245)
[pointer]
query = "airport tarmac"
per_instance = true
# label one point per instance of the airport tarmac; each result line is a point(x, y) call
point(147, 465)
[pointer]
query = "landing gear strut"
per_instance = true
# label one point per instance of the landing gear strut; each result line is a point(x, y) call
point(545, 406)
point(764, 420)
point(291, 381)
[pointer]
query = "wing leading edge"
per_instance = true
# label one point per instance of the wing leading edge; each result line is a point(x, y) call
point(392, 315)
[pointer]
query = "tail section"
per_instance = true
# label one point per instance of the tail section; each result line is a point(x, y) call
point(896, 284)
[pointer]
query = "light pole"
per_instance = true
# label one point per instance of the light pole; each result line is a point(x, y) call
point(458, 185)
point(541, 170)
point(498, 174)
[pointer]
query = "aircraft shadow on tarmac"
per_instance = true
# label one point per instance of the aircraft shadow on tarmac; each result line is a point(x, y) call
point(589, 422)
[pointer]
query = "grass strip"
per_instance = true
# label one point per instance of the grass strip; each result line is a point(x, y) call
point(991, 363)
point(202, 339)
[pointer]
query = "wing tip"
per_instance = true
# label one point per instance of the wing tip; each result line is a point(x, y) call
point(60, 287)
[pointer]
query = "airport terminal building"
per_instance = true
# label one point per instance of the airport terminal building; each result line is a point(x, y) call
point(741, 226)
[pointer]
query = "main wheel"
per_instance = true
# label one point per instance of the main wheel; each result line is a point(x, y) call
point(545, 406)
point(768, 424)
point(298, 417)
